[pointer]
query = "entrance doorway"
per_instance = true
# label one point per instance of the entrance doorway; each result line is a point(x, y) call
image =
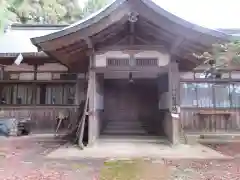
point(131, 109)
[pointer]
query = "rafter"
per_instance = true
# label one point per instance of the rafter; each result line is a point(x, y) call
point(112, 29)
point(155, 29)
point(143, 40)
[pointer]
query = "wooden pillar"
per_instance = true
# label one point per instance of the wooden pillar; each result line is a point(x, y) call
point(174, 101)
point(95, 107)
point(35, 94)
point(94, 104)
point(98, 101)
point(92, 111)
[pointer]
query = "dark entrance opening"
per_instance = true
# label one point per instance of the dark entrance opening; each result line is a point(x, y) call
point(131, 108)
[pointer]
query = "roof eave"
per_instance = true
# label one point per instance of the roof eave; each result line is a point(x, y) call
point(110, 8)
point(83, 23)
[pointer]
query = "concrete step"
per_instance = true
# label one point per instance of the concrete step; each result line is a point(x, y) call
point(114, 126)
point(124, 123)
point(218, 141)
point(124, 131)
point(134, 139)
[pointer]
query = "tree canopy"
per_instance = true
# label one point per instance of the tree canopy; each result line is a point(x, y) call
point(46, 11)
point(220, 56)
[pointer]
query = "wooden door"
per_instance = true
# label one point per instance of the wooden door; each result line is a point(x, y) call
point(121, 102)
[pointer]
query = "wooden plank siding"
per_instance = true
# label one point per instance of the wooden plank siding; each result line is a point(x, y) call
point(221, 97)
point(213, 123)
point(42, 118)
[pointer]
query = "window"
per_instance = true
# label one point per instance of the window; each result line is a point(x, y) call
point(56, 94)
point(24, 94)
point(235, 95)
point(222, 95)
point(204, 95)
point(188, 94)
point(210, 95)
point(17, 94)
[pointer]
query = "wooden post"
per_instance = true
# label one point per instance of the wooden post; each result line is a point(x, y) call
point(35, 85)
point(174, 100)
point(92, 108)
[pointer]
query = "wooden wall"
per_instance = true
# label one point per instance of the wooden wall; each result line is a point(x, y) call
point(42, 118)
point(212, 123)
point(221, 96)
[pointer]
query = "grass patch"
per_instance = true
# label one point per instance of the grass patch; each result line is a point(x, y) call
point(120, 170)
point(134, 170)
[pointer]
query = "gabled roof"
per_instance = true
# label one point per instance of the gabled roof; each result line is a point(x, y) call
point(111, 25)
point(106, 11)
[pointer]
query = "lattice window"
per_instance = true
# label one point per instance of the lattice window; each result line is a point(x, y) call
point(147, 62)
point(118, 62)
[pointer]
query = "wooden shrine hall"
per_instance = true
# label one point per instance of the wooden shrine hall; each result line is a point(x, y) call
point(133, 53)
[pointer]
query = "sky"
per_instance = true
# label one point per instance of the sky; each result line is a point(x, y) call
point(207, 13)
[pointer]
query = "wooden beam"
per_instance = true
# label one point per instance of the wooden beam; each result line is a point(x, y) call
point(143, 40)
point(89, 42)
point(156, 35)
point(176, 44)
point(132, 30)
point(72, 47)
point(121, 31)
point(157, 69)
point(111, 41)
point(76, 51)
point(131, 47)
point(157, 40)
point(122, 40)
point(148, 26)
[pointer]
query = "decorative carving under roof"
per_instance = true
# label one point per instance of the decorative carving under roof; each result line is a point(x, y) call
point(133, 17)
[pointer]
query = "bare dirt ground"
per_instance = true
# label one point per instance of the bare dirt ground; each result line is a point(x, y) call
point(24, 159)
point(209, 169)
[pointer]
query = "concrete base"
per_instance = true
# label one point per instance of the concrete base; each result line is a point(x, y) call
point(206, 138)
point(106, 150)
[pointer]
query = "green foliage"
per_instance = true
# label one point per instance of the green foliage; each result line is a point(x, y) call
point(221, 55)
point(92, 6)
point(45, 11)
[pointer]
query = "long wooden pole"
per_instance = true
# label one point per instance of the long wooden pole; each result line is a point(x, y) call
point(83, 119)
